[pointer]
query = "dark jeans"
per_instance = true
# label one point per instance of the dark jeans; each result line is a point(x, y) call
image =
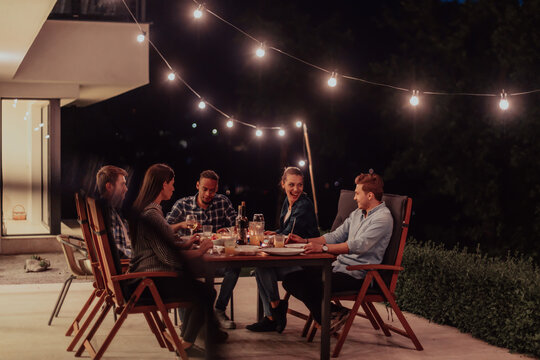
point(185, 288)
point(230, 277)
point(307, 286)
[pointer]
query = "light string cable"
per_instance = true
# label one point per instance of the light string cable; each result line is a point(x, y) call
point(175, 75)
point(350, 77)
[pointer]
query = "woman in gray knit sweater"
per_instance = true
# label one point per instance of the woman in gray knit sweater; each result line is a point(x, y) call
point(154, 250)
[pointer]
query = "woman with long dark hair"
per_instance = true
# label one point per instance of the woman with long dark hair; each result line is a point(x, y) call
point(154, 250)
point(297, 211)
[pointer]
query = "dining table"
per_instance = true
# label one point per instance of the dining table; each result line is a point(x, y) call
point(262, 259)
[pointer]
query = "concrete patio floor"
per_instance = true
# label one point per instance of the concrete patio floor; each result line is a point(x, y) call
point(24, 334)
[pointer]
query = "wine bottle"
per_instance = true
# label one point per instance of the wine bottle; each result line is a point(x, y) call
point(242, 224)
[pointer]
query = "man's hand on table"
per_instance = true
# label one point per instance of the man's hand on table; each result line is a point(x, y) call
point(312, 248)
point(269, 232)
point(205, 245)
point(293, 238)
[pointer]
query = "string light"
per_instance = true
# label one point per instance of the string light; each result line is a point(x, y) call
point(140, 37)
point(202, 105)
point(298, 124)
point(332, 82)
point(503, 103)
point(171, 76)
point(302, 163)
point(258, 133)
point(281, 132)
point(198, 13)
point(214, 131)
point(414, 101)
point(230, 124)
point(260, 51)
point(194, 125)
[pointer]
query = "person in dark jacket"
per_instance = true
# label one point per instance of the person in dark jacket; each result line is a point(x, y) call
point(298, 212)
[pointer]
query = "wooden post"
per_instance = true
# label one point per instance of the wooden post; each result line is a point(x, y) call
point(311, 174)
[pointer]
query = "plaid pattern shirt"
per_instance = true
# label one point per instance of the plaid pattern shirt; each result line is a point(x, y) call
point(220, 213)
point(119, 228)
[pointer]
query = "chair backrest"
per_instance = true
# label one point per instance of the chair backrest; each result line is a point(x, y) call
point(108, 255)
point(400, 207)
point(80, 204)
point(71, 247)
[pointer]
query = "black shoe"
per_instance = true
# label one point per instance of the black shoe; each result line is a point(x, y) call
point(218, 336)
point(279, 313)
point(194, 352)
point(265, 325)
point(339, 318)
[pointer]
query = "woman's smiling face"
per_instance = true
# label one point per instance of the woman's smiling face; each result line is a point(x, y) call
point(293, 186)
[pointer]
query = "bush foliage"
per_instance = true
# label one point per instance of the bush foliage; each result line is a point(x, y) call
point(496, 300)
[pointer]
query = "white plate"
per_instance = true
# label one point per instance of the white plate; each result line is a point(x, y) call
point(282, 251)
point(246, 250)
point(295, 246)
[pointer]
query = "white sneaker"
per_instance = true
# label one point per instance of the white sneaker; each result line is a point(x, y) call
point(223, 320)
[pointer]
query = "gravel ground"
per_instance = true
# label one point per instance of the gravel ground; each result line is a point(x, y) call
point(12, 270)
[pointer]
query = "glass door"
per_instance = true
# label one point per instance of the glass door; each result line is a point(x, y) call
point(25, 167)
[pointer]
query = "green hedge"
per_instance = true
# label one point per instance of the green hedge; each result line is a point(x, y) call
point(496, 300)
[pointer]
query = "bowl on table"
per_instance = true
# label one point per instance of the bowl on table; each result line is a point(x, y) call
point(246, 250)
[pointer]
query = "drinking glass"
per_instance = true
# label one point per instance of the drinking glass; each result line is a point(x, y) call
point(229, 242)
point(207, 231)
point(191, 222)
point(279, 241)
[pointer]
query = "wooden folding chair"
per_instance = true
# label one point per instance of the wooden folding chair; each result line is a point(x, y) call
point(99, 286)
point(161, 326)
point(385, 277)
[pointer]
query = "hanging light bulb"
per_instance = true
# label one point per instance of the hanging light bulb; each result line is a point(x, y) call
point(202, 105)
point(260, 51)
point(414, 101)
point(194, 125)
point(281, 132)
point(230, 124)
point(258, 133)
point(171, 76)
point(332, 82)
point(298, 124)
point(198, 13)
point(503, 103)
point(140, 37)
point(214, 131)
point(302, 163)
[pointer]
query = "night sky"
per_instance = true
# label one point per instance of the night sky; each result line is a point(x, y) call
point(353, 127)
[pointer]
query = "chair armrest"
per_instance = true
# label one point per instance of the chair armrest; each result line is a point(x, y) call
point(374, 267)
point(146, 274)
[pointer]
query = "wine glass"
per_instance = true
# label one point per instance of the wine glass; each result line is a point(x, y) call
point(191, 222)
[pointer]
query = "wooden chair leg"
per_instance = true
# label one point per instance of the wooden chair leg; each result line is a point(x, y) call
point(369, 315)
point(312, 332)
point(232, 306)
point(75, 324)
point(87, 322)
point(379, 320)
point(307, 325)
point(155, 329)
point(346, 329)
point(86, 345)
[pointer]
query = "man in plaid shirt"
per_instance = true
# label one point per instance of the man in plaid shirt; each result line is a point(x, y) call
point(111, 184)
point(213, 209)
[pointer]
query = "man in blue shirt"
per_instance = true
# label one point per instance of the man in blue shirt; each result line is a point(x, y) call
point(214, 209)
point(361, 239)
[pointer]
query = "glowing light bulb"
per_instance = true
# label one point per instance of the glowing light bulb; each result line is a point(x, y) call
point(197, 14)
point(414, 100)
point(503, 103)
point(214, 131)
point(194, 125)
point(202, 105)
point(140, 38)
point(258, 133)
point(260, 51)
point(302, 163)
point(281, 132)
point(298, 124)
point(332, 82)
point(171, 76)
point(230, 124)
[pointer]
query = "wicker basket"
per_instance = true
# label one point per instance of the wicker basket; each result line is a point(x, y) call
point(18, 212)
